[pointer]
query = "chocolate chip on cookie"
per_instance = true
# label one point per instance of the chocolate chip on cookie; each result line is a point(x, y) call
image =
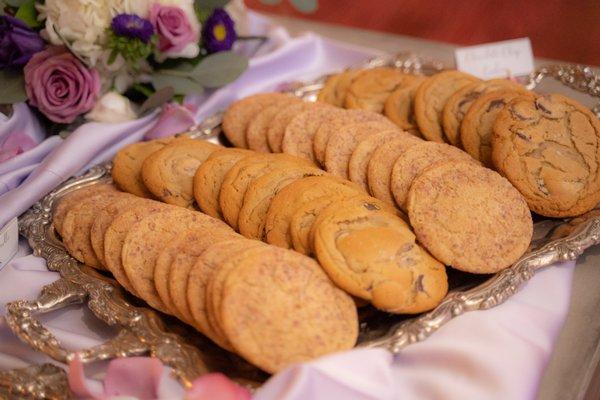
point(548, 148)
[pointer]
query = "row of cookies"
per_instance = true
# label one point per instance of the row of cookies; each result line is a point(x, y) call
point(272, 306)
point(382, 90)
point(286, 202)
point(272, 197)
point(431, 107)
point(385, 161)
point(545, 145)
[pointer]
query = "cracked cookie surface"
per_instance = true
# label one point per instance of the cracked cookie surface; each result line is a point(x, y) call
point(460, 102)
point(372, 254)
point(477, 126)
point(548, 147)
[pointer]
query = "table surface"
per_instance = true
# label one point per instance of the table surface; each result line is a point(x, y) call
point(572, 372)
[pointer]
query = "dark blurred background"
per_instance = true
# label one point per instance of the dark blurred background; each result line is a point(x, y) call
point(558, 29)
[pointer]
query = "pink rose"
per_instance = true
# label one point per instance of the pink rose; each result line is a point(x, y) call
point(60, 85)
point(178, 31)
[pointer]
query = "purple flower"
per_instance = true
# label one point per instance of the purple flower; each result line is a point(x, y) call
point(18, 42)
point(219, 31)
point(132, 26)
point(59, 85)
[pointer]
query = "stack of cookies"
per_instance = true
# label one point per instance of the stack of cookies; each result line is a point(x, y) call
point(273, 306)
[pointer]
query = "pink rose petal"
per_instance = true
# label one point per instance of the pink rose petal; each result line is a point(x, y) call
point(15, 144)
point(216, 386)
point(77, 382)
point(173, 119)
point(134, 376)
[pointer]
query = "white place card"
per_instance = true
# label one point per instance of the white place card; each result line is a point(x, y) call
point(9, 241)
point(510, 58)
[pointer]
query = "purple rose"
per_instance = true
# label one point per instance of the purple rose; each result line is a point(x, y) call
point(59, 85)
point(178, 31)
point(218, 32)
point(18, 42)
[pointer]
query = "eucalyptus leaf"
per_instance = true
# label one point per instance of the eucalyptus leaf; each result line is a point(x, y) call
point(160, 97)
point(13, 87)
point(179, 84)
point(28, 14)
point(306, 6)
point(219, 69)
point(2, 6)
point(182, 73)
point(210, 4)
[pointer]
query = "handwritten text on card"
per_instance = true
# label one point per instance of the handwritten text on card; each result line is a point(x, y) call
point(496, 60)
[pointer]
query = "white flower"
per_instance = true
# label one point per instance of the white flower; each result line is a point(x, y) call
point(82, 24)
point(138, 7)
point(112, 107)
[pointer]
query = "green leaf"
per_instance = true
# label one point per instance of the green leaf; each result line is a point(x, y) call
point(180, 85)
point(157, 99)
point(28, 14)
point(13, 87)
point(210, 4)
point(219, 69)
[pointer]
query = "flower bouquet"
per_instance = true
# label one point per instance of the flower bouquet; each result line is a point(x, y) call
point(110, 60)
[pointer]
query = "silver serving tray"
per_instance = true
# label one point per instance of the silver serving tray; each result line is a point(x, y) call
point(143, 331)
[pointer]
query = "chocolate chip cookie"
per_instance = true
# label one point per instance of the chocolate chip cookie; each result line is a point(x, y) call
point(548, 148)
